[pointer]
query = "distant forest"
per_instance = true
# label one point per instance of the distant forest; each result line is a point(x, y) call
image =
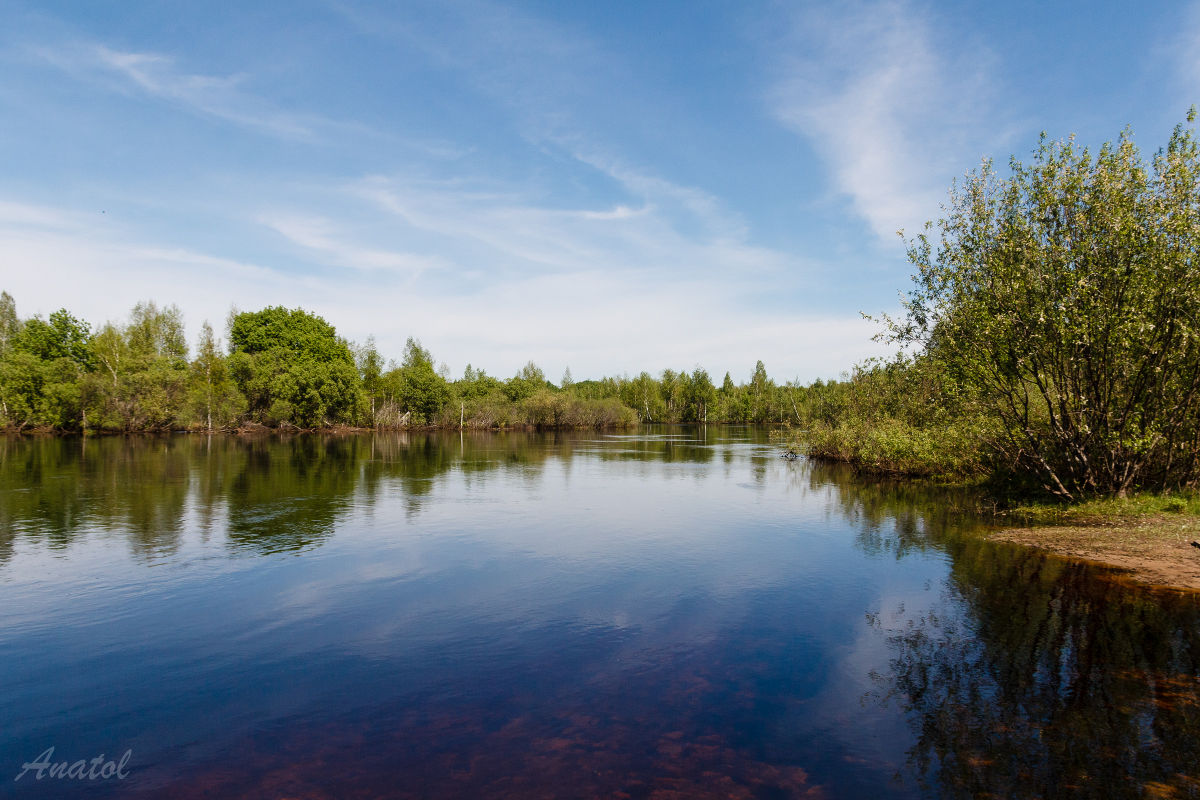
point(288, 368)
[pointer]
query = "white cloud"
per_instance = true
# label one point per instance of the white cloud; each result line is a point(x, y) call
point(98, 270)
point(644, 273)
point(894, 108)
point(603, 290)
point(599, 317)
point(157, 76)
point(321, 237)
point(669, 230)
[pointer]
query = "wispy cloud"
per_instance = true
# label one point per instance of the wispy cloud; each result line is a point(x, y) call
point(322, 237)
point(565, 244)
point(718, 220)
point(599, 310)
point(56, 258)
point(158, 76)
point(666, 230)
point(895, 108)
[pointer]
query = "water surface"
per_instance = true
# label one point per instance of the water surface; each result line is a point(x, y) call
point(675, 612)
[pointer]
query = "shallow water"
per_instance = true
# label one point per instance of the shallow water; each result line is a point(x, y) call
point(668, 613)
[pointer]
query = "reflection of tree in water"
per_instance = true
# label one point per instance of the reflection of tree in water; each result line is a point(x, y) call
point(416, 462)
point(277, 493)
point(1032, 676)
point(52, 488)
point(268, 493)
point(1039, 678)
point(289, 494)
point(890, 515)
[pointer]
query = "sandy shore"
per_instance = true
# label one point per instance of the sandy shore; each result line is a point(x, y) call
point(1155, 549)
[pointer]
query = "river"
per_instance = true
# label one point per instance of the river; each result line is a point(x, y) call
point(662, 613)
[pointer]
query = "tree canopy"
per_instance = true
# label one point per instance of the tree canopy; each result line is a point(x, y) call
point(291, 365)
point(1064, 299)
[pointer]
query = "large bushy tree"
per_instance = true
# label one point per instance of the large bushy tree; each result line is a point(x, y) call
point(292, 367)
point(42, 369)
point(1065, 299)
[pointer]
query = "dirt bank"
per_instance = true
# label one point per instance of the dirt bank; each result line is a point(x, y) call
point(1155, 549)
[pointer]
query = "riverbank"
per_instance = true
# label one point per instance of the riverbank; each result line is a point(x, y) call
point(1148, 537)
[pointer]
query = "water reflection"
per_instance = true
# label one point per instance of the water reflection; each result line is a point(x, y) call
point(1035, 676)
point(675, 612)
point(271, 493)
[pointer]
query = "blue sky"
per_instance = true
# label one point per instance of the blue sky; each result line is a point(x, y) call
point(607, 186)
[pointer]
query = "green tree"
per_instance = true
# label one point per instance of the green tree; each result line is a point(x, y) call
point(760, 394)
point(10, 325)
point(141, 382)
point(671, 390)
point(157, 333)
point(42, 374)
point(732, 402)
point(214, 397)
point(62, 336)
point(291, 366)
point(1066, 299)
point(370, 371)
point(476, 383)
point(644, 396)
point(699, 396)
point(420, 389)
point(529, 380)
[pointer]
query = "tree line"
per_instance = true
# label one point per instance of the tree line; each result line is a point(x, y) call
point(288, 368)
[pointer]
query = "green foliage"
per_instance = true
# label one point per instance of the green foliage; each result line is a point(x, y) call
point(760, 389)
point(40, 394)
point(10, 325)
point(1066, 299)
point(62, 336)
point(699, 395)
point(140, 380)
point(418, 387)
point(370, 371)
point(287, 367)
point(894, 417)
point(643, 396)
point(523, 385)
point(213, 398)
point(477, 384)
point(292, 367)
point(547, 408)
point(1134, 506)
point(155, 333)
point(41, 371)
